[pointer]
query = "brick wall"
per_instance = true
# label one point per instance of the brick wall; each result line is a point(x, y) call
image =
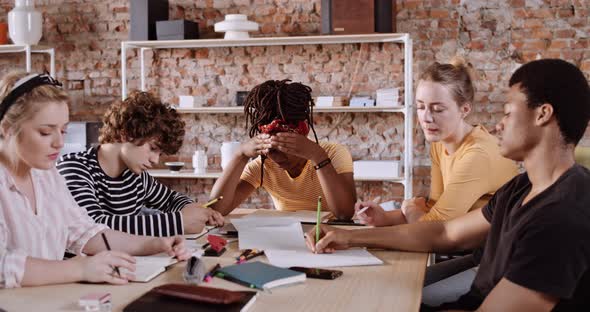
point(495, 36)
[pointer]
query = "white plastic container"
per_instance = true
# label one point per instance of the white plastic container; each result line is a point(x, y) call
point(200, 161)
point(228, 150)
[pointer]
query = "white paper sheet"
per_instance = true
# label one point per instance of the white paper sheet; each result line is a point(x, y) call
point(270, 233)
point(305, 258)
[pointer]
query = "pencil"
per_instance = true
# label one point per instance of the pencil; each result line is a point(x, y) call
point(106, 242)
point(317, 224)
point(211, 202)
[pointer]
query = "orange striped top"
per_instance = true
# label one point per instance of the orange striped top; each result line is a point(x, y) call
point(301, 192)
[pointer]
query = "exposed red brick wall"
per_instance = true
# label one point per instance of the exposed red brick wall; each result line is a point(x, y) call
point(495, 36)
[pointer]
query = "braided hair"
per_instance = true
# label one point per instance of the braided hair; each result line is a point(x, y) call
point(278, 99)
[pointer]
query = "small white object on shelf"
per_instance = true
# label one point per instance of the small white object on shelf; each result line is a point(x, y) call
point(362, 101)
point(236, 26)
point(189, 101)
point(25, 24)
point(324, 101)
point(376, 168)
point(200, 161)
point(388, 97)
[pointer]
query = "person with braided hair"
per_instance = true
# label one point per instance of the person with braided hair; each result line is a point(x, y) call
point(293, 169)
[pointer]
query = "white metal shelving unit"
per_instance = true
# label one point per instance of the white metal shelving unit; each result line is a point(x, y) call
point(336, 109)
point(189, 174)
point(28, 50)
point(404, 39)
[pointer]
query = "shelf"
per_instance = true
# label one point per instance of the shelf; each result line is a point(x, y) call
point(14, 48)
point(189, 174)
point(392, 38)
point(336, 109)
point(266, 41)
point(379, 179)
point(183, 174)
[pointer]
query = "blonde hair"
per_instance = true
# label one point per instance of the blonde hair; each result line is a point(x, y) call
point(25, 107)
point(458, 75)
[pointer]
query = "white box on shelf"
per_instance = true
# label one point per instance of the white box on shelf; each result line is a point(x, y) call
point(362, 101)
point(189, 101)
point(388, 97)
point(377, 168)
point(324, 101)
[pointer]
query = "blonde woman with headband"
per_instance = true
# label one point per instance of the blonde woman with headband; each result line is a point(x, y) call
point(39, 219)
point(467, 167)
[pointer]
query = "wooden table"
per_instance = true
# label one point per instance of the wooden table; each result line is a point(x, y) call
point(396, 285)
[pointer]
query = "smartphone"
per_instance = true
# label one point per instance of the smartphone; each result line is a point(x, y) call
point(344, 222)
point(318, 273)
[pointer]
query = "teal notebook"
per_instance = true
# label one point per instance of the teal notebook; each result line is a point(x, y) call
point(260, 275)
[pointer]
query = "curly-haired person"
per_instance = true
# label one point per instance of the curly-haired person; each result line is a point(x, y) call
point(293, 169)
point(111, 181)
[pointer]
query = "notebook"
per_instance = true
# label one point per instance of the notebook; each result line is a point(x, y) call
point(153, 301)
point(148, 267)
point(260, 275)
point(270, 233)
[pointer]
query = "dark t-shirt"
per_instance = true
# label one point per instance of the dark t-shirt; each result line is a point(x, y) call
point(543, 245)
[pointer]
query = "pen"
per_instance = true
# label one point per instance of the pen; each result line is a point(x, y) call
point(106, 242)
point(317, 224)
point(235, 280)
point(361, 211)
point(254, 255)
point(210, 274)
point(211, 202)
point(205, 246)
point(245, 253)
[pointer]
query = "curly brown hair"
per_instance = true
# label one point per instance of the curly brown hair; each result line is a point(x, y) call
point(142, 117)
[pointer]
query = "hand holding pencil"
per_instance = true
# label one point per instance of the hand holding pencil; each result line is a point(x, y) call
point(370, 213)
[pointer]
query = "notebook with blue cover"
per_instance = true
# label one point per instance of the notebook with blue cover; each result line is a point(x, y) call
point(260, 275)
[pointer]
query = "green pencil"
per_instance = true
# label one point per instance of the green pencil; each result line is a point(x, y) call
point(317, 224)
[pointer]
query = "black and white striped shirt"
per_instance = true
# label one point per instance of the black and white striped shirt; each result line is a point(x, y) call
point(117, 202)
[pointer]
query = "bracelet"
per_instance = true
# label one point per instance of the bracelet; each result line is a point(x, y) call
point(322, 163)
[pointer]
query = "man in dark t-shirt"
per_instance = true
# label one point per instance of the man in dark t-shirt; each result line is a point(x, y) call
point(536, 228)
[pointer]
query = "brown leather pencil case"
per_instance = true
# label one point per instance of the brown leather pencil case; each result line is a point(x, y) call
point(200, 294)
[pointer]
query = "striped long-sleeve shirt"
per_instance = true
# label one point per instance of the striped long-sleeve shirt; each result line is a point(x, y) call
point(117, 202)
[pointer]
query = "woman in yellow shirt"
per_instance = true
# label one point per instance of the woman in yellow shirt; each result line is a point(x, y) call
point(293, 169)
point(467, 167)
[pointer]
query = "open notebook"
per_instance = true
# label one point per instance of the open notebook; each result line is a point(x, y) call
point(148, 267)
point(283, 243)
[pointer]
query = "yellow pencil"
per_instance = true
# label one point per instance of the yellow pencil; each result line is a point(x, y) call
point(211, 202)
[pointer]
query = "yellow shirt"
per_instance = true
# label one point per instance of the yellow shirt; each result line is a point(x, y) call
point(468, 178)
point(301, 192)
